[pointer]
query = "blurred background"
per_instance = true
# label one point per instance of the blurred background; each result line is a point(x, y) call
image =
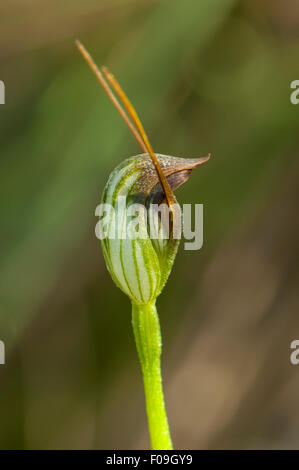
point(205, 76)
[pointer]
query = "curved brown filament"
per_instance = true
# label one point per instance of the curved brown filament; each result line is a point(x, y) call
point(134, 116)
point(107, 89)
point(136, 126)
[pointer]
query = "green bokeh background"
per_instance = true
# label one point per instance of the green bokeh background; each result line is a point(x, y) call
point(205, 76)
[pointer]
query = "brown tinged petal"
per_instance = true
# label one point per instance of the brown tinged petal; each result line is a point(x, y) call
point(177, 171)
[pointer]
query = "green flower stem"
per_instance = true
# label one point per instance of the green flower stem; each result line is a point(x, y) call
point(147, 333)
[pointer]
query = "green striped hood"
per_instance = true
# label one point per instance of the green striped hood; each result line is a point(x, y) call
point(140, 266)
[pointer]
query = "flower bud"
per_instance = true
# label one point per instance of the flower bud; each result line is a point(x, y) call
point(140, 265)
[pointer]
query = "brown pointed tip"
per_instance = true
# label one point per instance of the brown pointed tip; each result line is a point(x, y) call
point(82, 49)
point(191, 163)
point(201, 160)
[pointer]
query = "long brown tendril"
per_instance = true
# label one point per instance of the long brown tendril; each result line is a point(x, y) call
point(134, 123)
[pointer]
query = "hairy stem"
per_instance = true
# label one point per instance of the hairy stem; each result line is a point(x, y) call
point(147, 333)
